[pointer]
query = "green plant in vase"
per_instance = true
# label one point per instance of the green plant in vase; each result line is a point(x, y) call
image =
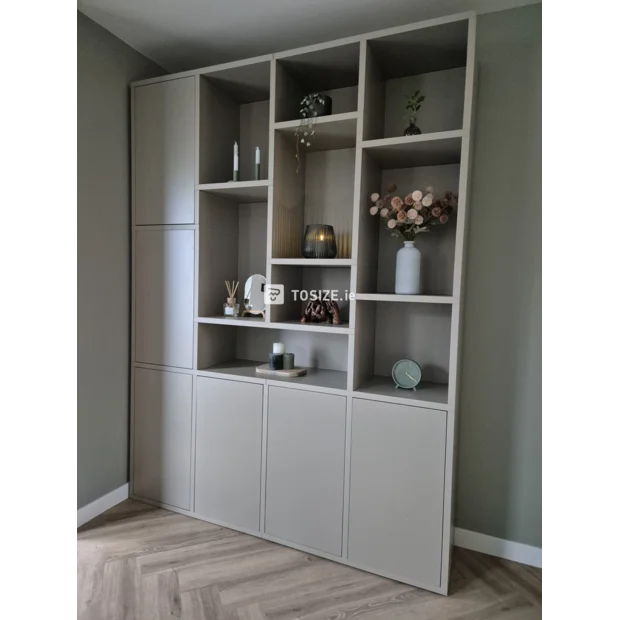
point(413, 107)
point(312, 106)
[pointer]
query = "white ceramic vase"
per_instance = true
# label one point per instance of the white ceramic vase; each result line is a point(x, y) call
point(408, 263)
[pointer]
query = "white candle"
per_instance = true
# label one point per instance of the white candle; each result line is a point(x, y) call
point(257, 160)
point(278, 347)
point(236, 157)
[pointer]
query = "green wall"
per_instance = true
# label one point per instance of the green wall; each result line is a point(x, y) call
point(499, 459)
point(105, 67)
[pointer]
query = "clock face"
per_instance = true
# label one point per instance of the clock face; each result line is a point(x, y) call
point(407, 374)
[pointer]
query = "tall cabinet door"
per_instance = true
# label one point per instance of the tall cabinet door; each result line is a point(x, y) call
point(229, 423)
point(164, 149)
point(396, 490)
point(162, 434)
point(164, 297)
point(305, 468)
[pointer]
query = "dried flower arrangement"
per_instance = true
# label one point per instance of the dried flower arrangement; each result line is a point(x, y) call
point(414, 213)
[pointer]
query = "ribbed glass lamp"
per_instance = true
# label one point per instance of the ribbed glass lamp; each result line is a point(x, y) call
point(319, 242)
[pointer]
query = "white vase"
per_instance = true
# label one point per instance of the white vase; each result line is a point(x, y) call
point(408, 263)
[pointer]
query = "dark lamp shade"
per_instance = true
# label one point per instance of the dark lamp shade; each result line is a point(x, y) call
point(319, 242)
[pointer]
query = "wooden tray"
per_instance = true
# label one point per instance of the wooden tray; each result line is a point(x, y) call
point(264, 369)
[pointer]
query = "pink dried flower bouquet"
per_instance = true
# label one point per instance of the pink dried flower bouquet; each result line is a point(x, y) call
point(414, 213)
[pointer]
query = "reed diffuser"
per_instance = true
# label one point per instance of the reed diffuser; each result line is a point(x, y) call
point(231, 307)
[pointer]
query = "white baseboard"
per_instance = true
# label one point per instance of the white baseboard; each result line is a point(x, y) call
point(94, 509)
point(517, 552)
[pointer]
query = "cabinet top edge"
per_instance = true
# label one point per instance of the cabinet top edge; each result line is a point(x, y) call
point(360, 38)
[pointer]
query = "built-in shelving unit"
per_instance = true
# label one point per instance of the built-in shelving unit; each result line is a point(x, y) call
point(256, 226)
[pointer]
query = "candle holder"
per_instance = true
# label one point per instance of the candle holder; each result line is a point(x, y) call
point(319, 242)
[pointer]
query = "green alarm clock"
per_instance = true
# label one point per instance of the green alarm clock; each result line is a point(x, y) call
point(407, 374)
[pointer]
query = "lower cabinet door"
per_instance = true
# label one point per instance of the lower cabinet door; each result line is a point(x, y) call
point(162, 432)
point(305, 468)
point(397, 490)
point(229, 426)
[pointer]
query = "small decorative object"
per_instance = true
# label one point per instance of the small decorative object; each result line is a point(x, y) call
point(264, 369)
point(231, 307)
point(289, 361)
point(254, 296)
point(321, 311)
point(257, 164)
point(406, 374)
point(406, 218)
point(236, 162)
point(276, 361)
point(311, 107)
point(319, 242)
point(278, 347)
point(413, 107)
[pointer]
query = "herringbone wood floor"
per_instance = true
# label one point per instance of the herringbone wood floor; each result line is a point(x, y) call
point(139, 562)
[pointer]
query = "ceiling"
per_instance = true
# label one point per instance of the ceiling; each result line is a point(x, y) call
point(187, 34)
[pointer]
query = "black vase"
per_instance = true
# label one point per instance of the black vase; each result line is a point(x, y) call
point(412, 130)
point(322, 109)
point(319, 242)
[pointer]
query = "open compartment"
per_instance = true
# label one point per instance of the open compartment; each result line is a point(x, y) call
point(431, 60)
point(387, 332)
point(236, 351)
point(234, 107)
point(332, 71)
point(300, 285)
point(318, 189)
point(232, 245)
point(377, 248)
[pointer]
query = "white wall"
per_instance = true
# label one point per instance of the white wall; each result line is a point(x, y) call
point(500, 462)
point(105, 67)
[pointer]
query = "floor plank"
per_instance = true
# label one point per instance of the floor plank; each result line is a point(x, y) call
point(137, 562)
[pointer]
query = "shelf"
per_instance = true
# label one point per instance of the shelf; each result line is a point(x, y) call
point(324, 328)
point(429, 395)
point(240, 192)
point(240, 321)
point(313, 262)
point(419, 299)
point(337, 131)
point(433, 149)
point(316, 378)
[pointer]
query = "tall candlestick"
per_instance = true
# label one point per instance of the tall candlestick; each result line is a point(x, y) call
point(236, 162)
point(257, 164)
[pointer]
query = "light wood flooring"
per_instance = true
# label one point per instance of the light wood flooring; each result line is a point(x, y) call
point(139, 562)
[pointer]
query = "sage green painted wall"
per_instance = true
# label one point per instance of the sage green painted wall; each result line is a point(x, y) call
point(105, 67)
point(500, 454)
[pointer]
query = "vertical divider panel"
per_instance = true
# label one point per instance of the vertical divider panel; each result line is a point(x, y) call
point(457, 309)
point(374, 97)
point(364, 359)
point(347, 477)
point(272, 175)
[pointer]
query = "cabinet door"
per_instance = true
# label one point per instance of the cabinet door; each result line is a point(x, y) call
point(164, 152)
point(162, 434)
point(305, 468)
point(229, 427)
point(396, 491)
point(164, 289)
